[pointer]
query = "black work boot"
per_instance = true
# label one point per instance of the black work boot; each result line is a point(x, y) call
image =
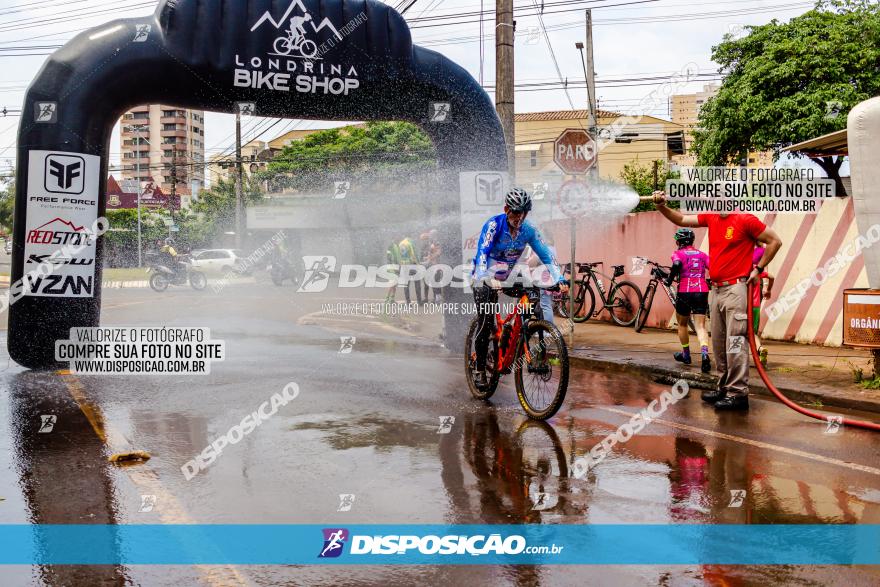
point(712, 395)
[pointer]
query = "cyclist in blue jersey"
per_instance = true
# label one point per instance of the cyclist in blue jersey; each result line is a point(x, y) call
point(501, 244)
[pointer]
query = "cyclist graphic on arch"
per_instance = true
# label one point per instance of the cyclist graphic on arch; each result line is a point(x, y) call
point(296, 38)
point(319, 271)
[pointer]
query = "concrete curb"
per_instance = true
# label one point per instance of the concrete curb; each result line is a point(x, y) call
point(669, 376)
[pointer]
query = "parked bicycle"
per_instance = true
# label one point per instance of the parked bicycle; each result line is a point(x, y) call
point(622, 298)
point(659, 275)
point(532, 348)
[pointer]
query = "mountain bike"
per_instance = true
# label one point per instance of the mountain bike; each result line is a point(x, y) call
point(529, 346)
point(294, 42)
point(659, 274)
point(622, 299)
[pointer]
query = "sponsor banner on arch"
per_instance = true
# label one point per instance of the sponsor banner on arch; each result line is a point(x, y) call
point(62, 207)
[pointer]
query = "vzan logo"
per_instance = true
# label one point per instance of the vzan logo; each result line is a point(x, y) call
point(64, 174)
point(295, 62)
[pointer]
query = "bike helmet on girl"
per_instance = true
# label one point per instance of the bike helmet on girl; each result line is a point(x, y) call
point(518, 200)
point(684, 237)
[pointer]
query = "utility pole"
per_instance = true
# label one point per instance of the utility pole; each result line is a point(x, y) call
point(238, 179)
point(591, 88)
point(504, 29)
point(137, 138)
point(173, 188)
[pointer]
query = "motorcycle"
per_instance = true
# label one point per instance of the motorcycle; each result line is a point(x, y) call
point(281, 270)
point(163, 276)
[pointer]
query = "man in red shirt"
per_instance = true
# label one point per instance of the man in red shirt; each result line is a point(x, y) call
point(732, 240)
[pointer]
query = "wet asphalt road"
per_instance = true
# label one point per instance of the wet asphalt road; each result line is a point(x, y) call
point(366, 423)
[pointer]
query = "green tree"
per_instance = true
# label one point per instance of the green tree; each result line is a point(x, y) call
point(216, 209)
point(120, 241)
point(7, 207)
point(789, 82)
point(381, 149)
point(641, 178)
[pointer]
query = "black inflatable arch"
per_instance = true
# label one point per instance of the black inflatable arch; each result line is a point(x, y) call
point(209, 55)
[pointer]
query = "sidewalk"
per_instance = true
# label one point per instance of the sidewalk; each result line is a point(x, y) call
point(811, 375)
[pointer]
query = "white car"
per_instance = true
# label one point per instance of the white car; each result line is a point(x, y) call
point(8, 247)
point(220, 261)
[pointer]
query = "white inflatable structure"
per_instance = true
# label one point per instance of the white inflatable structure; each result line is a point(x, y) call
point(863, 137)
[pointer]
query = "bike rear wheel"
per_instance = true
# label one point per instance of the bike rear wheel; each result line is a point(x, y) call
point(645, 307)
point(158, 282)
point(541, 370)
point(624, 302)
point(282, 46)
point(470, 363)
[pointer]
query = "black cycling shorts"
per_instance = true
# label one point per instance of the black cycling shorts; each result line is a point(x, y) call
point(687, 303)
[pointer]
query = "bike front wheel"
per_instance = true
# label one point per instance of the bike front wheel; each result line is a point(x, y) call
point(470, 363)
point(584, 302)
point(625, 300)
point(645, 307)
point(308, 48)
point(541, 370)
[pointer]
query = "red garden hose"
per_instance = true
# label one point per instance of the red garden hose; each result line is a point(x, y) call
point(766, 379)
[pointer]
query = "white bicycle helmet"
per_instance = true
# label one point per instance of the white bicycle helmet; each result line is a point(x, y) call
point(518, 200)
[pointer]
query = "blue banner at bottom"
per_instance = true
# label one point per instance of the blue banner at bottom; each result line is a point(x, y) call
point(441, 544)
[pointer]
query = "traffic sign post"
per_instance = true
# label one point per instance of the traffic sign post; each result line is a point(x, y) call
point(574, 151)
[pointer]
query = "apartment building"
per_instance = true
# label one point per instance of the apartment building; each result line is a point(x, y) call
point(164, 143)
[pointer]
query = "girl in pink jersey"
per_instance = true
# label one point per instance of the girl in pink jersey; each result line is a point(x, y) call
point(690, 266)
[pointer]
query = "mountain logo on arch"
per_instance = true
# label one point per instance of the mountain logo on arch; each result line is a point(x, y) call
point(296, 63)
point(300, 23)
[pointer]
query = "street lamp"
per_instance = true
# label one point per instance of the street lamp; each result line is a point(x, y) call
point(137, 163)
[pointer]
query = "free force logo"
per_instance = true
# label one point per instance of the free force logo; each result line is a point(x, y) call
point(488, 188)
point(61, 226)
point(334, 542)
point(64, 174)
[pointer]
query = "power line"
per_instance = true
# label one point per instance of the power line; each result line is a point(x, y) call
point(552, 54)
point(38, 22)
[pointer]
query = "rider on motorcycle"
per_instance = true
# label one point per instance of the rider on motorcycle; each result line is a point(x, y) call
point(502, 241)
point(171, 255)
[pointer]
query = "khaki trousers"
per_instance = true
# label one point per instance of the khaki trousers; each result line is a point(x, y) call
point(728, 308)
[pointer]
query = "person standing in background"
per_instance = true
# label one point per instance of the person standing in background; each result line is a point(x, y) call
point(533, 262)
point(759, 294)
point(409, 259)
point(392, 258)
point(431, 251)
point(732, 241)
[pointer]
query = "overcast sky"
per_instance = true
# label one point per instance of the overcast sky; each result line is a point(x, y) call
point(632, 40)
